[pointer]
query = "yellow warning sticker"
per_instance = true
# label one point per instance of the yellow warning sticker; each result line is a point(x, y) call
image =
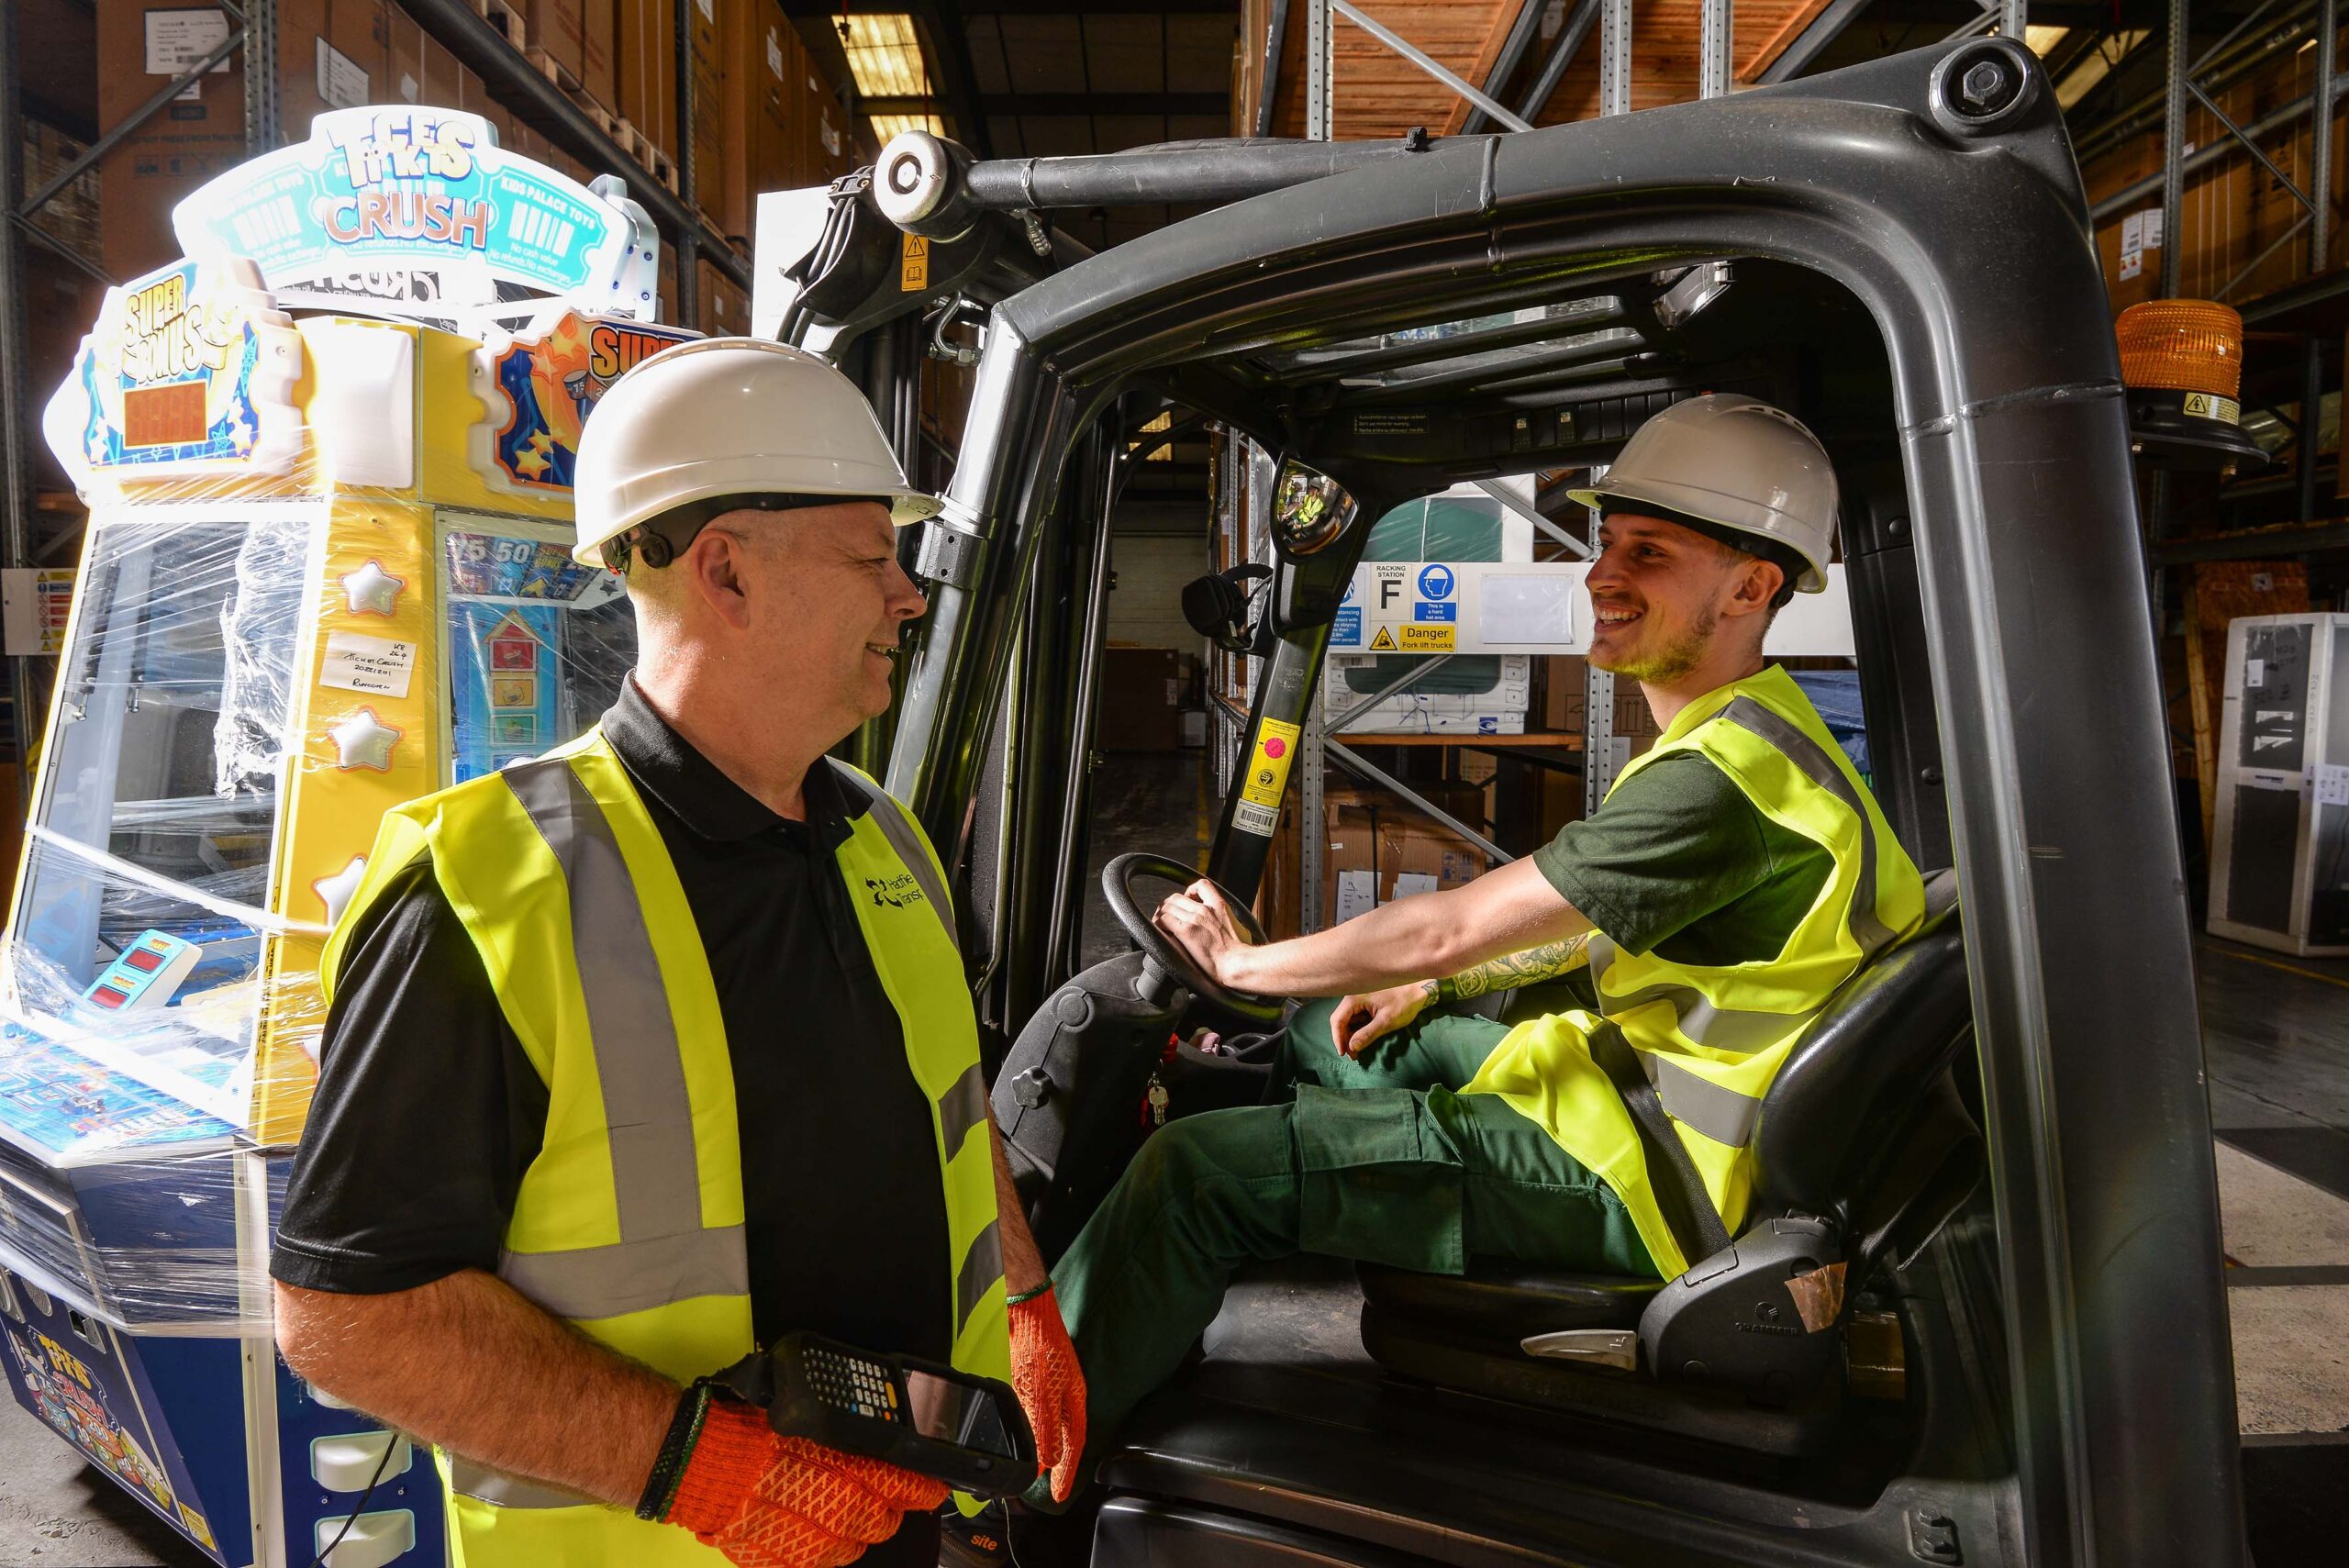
point(2210, 406)
point(913, 273)
point(1384, 643)
point(1429, 639)
point(1259, 808)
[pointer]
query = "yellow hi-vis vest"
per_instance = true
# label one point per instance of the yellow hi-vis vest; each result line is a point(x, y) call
point(1711, 1038)
point(628, 1223)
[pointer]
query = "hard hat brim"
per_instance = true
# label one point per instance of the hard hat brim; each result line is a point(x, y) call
point(1704, 504)
point(905, 506)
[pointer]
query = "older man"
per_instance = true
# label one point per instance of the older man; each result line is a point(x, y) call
point(1737, 873)
point(651, 1051)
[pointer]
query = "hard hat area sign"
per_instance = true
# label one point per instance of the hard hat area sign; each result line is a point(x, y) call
point(1401, 606)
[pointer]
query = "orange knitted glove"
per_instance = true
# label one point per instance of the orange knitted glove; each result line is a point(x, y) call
point(771, 1502)
point(1051, 1387)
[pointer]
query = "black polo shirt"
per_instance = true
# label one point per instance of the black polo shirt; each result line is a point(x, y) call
point(428, 1111)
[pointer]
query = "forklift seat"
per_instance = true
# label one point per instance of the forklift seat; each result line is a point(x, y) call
point(1863, 1148)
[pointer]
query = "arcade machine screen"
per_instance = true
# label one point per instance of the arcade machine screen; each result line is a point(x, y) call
point(147, 884)
point(538, 645)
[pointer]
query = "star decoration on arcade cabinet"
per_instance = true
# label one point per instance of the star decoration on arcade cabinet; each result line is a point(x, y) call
point(335, 891)
point(533, 461)
point(364, 740)
point(565, 346)
point(371, 590)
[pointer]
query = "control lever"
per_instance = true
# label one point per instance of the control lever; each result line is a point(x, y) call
point(1615, 1348)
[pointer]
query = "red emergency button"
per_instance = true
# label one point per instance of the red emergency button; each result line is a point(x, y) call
point(107, 997)
point(146, 958)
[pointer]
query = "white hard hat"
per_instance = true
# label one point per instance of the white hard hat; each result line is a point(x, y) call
point(1738, 463)
point(730, 417)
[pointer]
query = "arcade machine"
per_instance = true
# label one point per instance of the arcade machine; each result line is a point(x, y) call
point(328, 459)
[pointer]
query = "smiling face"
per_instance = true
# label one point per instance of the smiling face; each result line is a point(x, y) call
point(823, 604)
point(1664, 599)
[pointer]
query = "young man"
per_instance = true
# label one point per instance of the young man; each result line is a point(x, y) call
point(1737, 874)
point(631, 1067)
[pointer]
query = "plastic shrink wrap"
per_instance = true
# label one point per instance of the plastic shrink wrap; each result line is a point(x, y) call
point(326, 570)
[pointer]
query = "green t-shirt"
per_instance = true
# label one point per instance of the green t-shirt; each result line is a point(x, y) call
point(1677, 862)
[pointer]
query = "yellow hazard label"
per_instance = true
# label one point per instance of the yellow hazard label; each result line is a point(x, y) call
point(913, 272)
point(1384, 643)
point(1430, 638)
point(2210, 406)
point(1268, 764)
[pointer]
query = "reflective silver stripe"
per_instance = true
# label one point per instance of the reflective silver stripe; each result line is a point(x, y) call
point(1874, 935)
point(961, 1108)
point(898, 828)
point(632, 1277)
point(489, 1486)
point(1720, 1114)
point(662, 1253)
point(1721, 1028)
point(982, 1266)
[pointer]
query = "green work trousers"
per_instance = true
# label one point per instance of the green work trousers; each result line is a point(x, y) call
point(1379, 1159)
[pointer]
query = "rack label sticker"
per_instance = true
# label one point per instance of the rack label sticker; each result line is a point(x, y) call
point(1259, 810)
point(379, 666)
point(1429, 639)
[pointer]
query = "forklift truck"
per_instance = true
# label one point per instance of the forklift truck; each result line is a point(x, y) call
point(1997, 1137)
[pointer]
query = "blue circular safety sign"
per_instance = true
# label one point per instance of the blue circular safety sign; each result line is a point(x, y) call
point(1435, 581)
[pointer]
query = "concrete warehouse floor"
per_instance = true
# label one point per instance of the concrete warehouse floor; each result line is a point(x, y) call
point(2277, 1034)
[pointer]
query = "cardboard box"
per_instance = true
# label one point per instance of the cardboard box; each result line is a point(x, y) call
point(352, 62)
point(443, 87)
point(599, 52)
point(331, 54)
point(1143, 698)
point(725, 310)
point(1375, 849)
point(191, 138)
point(403, 63)
point(760, 63)
point(1419, 855)
point(648, 70)
point(559, 27)
point(714, 155)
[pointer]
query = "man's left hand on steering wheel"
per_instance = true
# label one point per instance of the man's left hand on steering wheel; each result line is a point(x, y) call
point(1203, 923)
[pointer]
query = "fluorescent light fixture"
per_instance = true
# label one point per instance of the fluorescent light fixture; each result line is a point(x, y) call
point(887, 126)
point(1164, 452)
point(884, 55)
point(2042, 41)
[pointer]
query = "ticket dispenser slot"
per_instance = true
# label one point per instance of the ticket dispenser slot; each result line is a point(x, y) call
point(348, 1461)
point(371, 1540)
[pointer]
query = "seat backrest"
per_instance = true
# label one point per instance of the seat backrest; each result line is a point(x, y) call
point(1861, 1071)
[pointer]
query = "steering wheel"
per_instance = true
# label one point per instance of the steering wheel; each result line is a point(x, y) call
point(1168, 957)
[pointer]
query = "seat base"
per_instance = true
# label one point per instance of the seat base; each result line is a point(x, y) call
point(1509, 1302)
point(1498, 1369)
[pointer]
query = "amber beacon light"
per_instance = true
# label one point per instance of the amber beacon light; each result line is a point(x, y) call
point(2182, 361)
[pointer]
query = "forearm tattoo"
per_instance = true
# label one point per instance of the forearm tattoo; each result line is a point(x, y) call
point(1527, 968)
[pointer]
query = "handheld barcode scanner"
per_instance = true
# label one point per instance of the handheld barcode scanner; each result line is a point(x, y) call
point(967, 1431)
